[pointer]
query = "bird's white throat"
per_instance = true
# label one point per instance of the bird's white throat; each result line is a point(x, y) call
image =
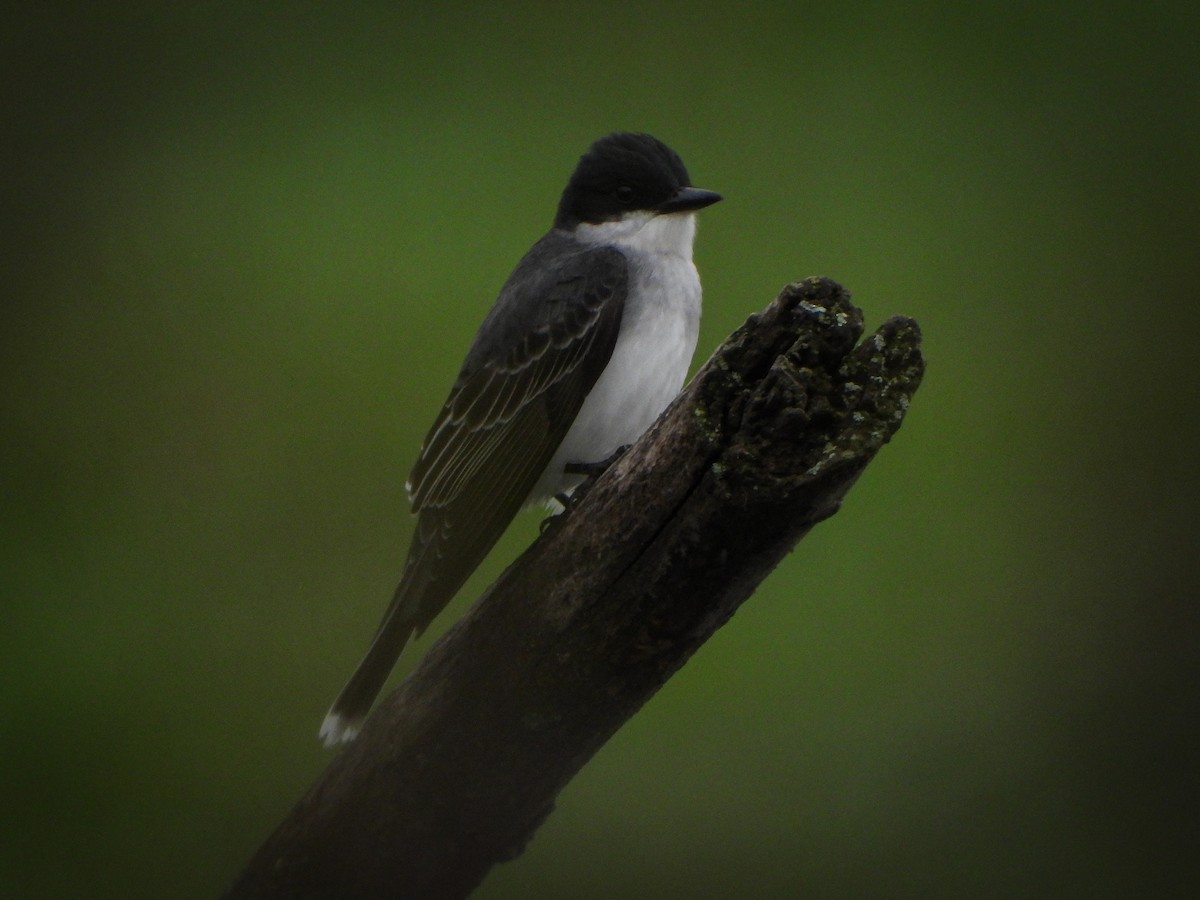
point(644, 233)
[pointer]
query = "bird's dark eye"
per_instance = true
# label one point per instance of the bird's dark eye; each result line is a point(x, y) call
point(625, 194)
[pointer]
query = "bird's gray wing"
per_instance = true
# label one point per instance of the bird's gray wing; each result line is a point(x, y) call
point(546, 341)
point(509, 410)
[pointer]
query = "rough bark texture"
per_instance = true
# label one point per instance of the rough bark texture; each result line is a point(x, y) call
point(457, 768)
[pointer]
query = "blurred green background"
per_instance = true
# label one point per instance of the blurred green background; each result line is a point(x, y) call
point(246, 246)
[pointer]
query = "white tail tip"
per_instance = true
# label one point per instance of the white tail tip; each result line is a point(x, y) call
point(338, 730)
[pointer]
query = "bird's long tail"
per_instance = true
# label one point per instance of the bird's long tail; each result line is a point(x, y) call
point(346, 715)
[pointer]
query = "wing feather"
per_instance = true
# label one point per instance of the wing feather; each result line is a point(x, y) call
point(586, 318)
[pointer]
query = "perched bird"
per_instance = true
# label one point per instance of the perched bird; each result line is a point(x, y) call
point(590, 339)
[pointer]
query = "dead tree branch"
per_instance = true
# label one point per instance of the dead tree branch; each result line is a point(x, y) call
point(457, 768)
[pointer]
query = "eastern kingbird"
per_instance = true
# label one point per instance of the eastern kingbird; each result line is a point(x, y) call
point(588, 342)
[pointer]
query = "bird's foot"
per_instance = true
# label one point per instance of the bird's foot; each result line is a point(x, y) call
point(593, 470)
point(590, 471)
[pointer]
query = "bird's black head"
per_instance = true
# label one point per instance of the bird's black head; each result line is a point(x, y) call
point(627, 172)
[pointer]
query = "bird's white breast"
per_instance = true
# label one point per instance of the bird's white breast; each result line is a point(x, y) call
point(654, 348)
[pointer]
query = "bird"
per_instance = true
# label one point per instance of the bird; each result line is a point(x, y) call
point(588, 341)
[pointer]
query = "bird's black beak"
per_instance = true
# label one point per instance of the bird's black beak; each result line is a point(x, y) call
point(688, 199)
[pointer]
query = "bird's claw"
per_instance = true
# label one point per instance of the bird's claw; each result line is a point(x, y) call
point(591, 471)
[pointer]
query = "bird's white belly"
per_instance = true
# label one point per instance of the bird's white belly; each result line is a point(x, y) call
point(646, 371)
